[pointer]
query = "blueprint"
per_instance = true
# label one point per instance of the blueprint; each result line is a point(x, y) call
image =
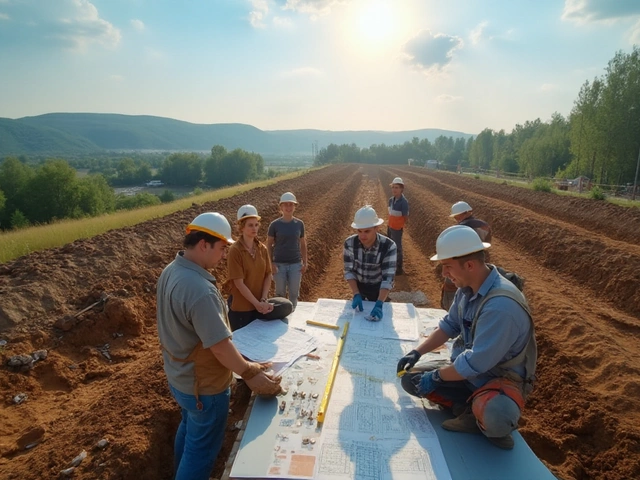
point(273, 341)
point(400, 321)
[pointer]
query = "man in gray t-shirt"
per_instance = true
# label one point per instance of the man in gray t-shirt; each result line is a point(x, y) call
point(199, 357)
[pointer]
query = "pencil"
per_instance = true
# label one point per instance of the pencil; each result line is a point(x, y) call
point(320, 324)
point(332, 374)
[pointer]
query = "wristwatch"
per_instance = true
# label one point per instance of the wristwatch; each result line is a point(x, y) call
point(437, 377)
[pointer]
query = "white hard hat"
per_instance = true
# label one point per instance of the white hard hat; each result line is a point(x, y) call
point(212, 223)
point(460, 207)
point(458, 241)
point(248, 211)
point(398, 181)
point(366, 217)
point(288, 197)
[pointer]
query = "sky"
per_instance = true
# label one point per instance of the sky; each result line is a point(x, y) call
point(391, 65)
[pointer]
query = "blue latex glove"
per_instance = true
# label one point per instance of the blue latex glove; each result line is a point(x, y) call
point(376, 313)
point(357, 302)
point(428, 384)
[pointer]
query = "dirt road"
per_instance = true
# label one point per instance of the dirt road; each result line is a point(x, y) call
point(580, 258)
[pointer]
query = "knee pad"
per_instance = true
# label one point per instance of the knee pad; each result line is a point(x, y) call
point(497, 414)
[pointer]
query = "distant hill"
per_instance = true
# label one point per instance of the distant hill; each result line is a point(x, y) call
point(73, 133)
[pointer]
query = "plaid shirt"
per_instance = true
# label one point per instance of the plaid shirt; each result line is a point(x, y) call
point(369, 266)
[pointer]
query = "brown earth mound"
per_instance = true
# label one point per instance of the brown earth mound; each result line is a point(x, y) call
point(103, 377)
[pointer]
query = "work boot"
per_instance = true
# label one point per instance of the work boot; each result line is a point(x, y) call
point(465, 423)
point(506, 442)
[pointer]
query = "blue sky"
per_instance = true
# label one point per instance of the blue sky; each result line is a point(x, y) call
point(327, 64)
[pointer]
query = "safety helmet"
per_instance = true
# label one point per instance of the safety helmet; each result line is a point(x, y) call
point(366, 217)
point(460, 207)
point(248, 211)
point(458, 241)
point(288, 197)
point(212, 223)
point(397, 181)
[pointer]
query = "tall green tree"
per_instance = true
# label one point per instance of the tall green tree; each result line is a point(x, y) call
point(182, 169)
point(54, 193)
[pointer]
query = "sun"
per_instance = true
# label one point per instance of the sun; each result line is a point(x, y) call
point(376, 21)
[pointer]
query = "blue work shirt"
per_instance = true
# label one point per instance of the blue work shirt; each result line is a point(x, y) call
point(502, 330)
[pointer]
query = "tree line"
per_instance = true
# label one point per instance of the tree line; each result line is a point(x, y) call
point(51, 189)
point(599, 139)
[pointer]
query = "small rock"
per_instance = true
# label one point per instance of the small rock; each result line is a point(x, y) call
point(3, 343)
point(67, 471)
point(78, 460)
point(39, 355)
point(19, 398)
point(238, 425)
point(102, 443)
point(20, 360)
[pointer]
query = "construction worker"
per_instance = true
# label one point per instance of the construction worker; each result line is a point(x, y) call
point(369, 262)
point(493, 366)
point(462, 213)
point(198, 354)
point(287, 248)
point(398, 213)
point(250, 275)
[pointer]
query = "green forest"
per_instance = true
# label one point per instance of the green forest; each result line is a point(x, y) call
point(50, 189)
point(600, 138)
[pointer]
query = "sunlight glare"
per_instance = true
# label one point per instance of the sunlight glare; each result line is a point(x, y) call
point(376, 21)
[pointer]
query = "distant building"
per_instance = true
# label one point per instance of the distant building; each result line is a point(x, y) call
point(432, 164)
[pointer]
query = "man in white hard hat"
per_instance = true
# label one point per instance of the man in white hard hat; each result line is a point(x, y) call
point(492, 368)
point(199, 357)
point(398, 213)
point(462, 213)
point(369, 262)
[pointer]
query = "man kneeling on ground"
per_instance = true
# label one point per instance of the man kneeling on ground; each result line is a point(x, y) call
point(494, 356)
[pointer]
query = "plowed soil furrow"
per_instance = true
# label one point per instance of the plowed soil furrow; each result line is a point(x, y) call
point(609, 267)
point(580, 416)
point(614, 221)
point(581, 279)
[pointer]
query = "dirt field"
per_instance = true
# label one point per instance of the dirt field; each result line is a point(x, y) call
point(580, 258)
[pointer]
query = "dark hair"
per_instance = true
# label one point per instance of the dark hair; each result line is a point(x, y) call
point(191, 239)
point(479, 256)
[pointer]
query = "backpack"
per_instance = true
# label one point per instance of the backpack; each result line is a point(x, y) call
point(513, 277)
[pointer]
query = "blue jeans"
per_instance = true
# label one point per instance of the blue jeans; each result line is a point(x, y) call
point(289, 274)
point(200, 434)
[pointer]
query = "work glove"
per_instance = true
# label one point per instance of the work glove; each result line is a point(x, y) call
point(376, 312)
point(408, 361)
point(428, 383)
point(357, 302)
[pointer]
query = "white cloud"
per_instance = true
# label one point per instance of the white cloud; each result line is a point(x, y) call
point(446, 98)
point(137, 24)
point(4, 16)
point(260, 9)
point(476, 34)
point(116, 78)
point(282, 22)
point(315, 8)
point(585, 11)
point(548, 87)
point(301, 72)
point(72, 24)
point(431, 53)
